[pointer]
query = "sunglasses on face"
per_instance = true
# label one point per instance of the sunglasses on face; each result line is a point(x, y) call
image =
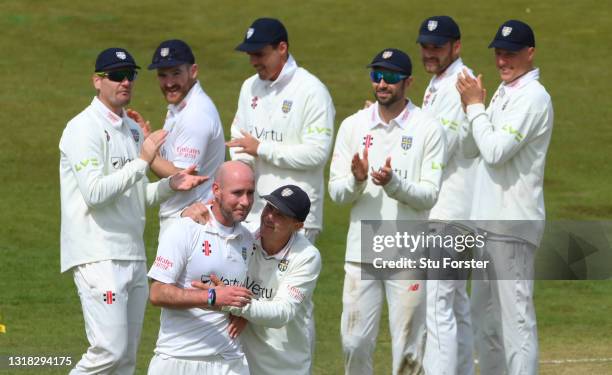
point(390, 77)
point(119, 75)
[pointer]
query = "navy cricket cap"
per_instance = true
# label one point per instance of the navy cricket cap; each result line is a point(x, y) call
point(171, 53)
point(438, 30)
point(392, 59)
point(291, 201)
point(263, 31)
point(113, 58)
point(513, 35)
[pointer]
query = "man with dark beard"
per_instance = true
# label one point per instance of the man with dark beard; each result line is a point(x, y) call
point(405, 149)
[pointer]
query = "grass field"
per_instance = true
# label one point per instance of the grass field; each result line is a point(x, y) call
point(47, 53)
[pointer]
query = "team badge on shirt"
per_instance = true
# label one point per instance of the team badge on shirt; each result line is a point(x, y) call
point(287, 106)
point(109, 297)
point(135, 135)
point(244, 253)
point(367, 141)
point(206, 249)
point(406, 143)
point(282, 265)
point(254, 102)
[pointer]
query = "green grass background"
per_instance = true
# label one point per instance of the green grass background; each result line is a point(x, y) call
point(47, 53)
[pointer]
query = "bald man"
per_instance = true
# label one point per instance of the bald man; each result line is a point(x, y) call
point(193, 338)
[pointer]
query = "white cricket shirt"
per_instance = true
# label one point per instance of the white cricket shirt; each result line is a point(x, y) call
point(277, 338)
point(190, 251)
point(442, 101)
point(512, 137)
point(103, 188)
point(416, 144)
point(195, 136)
point(293, 118)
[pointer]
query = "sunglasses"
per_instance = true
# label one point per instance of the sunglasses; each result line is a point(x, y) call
point(390, 77)
point(119, 75)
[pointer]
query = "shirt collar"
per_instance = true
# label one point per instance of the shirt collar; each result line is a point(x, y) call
point(401, 120)
point(286, 73)
point(213, 226)
point(450, 73)
point(522, 81)
point(108, 115)
point(282, 253)
point(177, 108)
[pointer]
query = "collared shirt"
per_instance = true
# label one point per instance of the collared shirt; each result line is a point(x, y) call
point(415, 143)
point(190, 251)
point(512, 137)
point(195, 137)
point(104, 188)
point(293, 119)
point(442, 100)
point(278, 337)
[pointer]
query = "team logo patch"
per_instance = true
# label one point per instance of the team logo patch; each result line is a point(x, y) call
point(250, 32)
point(206, 249)
point(432, 25)
point(287, 192)
point(387, 54)
point(413, 287)
point(367, 141)
point(254, 102)
point(406, 143)
point(109, 297)
point(244, 253)
point(282, 265)
point(135, 135)
point(506, 30)
point(121, 55)
point(287, 106)
point(164, 52)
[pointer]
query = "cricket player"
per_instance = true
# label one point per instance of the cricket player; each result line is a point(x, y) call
point(282, 275)
point(511, 138)
point(449, 331)
point(284, 122)
point(193, 339)
point(195, 134)
point(405, 149)
point(103, 163)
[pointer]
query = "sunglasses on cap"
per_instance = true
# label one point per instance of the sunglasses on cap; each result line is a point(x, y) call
point(390, 77)
point(119, 75)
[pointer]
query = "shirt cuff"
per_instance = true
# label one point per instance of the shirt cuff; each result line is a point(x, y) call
point(141, 165)
point(392, 186)
point(474, 110)
point(359, 185)
point(164, 187)
point(264, 150)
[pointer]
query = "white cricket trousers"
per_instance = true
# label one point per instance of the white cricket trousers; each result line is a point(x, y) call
point(165, 365)
point(361, 309)
point(449, 330)
point(503, 314)
point(113, 296)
